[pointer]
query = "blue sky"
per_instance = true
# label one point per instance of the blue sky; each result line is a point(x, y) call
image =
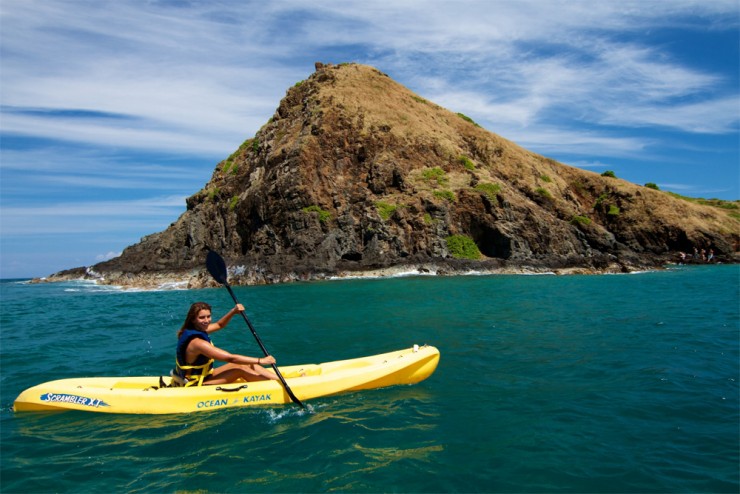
point(113, 112)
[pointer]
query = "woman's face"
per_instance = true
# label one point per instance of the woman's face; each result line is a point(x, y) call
point(203, 319)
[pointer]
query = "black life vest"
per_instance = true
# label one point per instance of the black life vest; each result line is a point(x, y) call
point(194, 373)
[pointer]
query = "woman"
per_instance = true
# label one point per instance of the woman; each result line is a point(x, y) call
point(196, 353)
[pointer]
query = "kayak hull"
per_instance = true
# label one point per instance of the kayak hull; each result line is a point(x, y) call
point(143, 395)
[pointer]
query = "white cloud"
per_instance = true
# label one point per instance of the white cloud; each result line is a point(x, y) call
point(59, 168)
point(146, 215)
point(205, 76)
point(718, 116)
point(201, 77)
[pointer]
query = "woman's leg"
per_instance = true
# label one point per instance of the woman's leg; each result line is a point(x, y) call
point(229, 373)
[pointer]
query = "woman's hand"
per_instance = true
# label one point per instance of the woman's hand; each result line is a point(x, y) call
point(238, 309)
point(269, 360)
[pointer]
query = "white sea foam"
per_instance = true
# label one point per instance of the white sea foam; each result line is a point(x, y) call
point(86, 285)
point(174, 285)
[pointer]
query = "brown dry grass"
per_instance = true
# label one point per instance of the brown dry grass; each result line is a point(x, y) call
point(383, 103)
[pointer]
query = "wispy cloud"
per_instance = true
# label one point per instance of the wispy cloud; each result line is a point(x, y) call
point(92, 216)
point(718, 116)
point(45, 175)
point(199, 78)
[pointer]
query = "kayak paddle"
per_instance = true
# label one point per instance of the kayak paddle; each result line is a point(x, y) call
point(217, 267)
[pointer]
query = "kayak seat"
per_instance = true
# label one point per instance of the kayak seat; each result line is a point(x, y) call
point(176, 381)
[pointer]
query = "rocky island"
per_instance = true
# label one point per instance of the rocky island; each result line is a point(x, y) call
point(354, 173)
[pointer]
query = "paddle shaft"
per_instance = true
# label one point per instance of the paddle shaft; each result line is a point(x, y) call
point(264, 350)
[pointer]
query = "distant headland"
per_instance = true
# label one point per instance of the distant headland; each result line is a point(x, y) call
point(355, 174)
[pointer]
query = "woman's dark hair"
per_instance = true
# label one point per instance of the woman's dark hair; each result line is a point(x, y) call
point(192, 314)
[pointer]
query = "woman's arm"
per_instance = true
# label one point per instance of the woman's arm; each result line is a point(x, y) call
point(198, 345)
point(221, 323)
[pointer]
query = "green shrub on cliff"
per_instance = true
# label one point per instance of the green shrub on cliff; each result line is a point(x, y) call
point(447, 195)
point(466, 162)
point(324, 216)
point(467, 119)
point(543, 192)
point(580, 220)
point(435, 174)
point(462, 247)
point(385, 210)
point(234, 168)
point(489, 189)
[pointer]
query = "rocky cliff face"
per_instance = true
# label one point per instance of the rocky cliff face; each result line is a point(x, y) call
point(354, 172)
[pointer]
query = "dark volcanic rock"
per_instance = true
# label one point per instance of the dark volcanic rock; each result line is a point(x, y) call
point(354, 173)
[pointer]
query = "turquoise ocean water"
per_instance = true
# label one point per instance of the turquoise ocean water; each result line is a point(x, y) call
point(621, 383)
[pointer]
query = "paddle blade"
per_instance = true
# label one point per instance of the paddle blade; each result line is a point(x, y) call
point(217, 267)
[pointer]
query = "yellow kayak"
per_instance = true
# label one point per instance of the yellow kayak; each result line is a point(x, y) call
point(144, 395)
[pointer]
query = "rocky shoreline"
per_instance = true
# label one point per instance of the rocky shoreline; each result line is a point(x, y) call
point(241, 275)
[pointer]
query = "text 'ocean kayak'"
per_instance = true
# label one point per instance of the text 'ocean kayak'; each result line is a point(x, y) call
point(143, 395)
